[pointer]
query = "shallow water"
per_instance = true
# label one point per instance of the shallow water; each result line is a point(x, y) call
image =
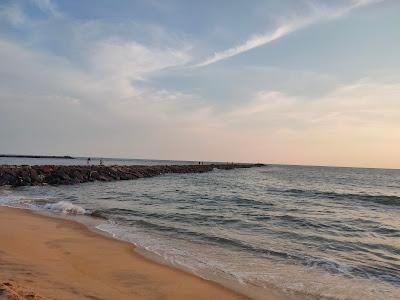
point(331, 232)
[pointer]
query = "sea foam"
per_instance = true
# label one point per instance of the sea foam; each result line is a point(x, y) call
point(65, 207)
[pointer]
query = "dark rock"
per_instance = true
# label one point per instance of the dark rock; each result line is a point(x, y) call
point(55, 175)
point(34, 175)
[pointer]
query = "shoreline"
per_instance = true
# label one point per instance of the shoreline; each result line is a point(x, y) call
point(73, 255)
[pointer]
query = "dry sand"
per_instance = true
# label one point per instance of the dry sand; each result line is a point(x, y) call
point(51, 258)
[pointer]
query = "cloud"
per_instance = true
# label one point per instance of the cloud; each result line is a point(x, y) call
point(97, 98)
point(355, 124)
point(47, 6)
point(48, 104)
point(364, 102)
point(84, 93)
point(319, 14)
point(132, 59)
point(12, 14)
point(253, 42)
point(97, 106)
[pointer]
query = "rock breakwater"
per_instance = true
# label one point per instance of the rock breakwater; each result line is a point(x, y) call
point(57, 174)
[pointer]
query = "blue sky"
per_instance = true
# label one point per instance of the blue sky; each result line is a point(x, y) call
point(303, 82)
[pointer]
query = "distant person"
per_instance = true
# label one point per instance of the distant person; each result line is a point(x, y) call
point(88, 161)
point(101, 161)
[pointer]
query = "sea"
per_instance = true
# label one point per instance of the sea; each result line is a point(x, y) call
point(319, 232)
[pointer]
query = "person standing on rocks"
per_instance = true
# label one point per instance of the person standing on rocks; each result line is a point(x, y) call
point(88, 161)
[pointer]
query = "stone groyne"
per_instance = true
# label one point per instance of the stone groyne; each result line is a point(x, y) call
point(60, 174)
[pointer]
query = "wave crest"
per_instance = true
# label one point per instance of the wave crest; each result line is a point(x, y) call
point(65, 207)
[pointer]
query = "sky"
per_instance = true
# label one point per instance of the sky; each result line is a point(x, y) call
point(311, 82)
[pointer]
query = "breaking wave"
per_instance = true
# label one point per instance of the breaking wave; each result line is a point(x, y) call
point(65, 207)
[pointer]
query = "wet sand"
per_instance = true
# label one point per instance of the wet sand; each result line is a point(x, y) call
point(50, 258)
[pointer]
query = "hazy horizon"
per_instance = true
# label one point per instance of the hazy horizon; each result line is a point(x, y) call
point(279, 82)
point(190, 160)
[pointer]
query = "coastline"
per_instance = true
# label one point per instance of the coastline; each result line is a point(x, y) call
point(55, 258)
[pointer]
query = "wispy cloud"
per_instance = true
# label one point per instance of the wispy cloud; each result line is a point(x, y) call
point(319, 13)
point(253, 42)
point(48, 7)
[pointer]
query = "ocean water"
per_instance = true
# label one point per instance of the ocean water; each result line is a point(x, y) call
point(328, 232)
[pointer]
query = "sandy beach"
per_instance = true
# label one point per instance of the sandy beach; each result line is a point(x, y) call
point(50, 258)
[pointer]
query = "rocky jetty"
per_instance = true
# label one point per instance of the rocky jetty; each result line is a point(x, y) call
point(57, 174)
